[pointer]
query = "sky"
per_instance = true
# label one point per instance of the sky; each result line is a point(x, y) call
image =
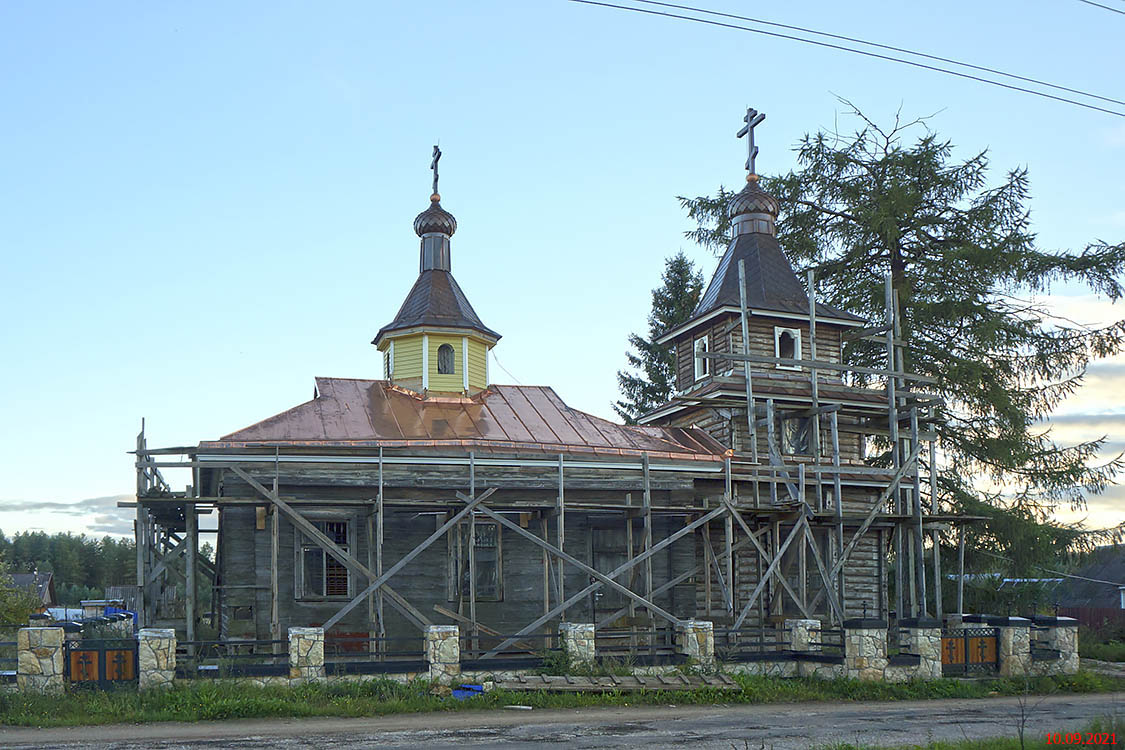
point(204, 206)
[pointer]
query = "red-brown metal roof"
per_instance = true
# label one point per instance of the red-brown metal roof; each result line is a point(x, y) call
point(373, 413)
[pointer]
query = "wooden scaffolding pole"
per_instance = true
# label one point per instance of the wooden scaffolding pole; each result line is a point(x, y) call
point(919, 550)
point(939, 610)
point(750, 415)
point(892, 424)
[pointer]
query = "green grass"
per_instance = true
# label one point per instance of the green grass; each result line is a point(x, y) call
point(1111, 651)
point(216, 700)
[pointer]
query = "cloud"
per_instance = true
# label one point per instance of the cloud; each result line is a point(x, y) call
point(95, 515)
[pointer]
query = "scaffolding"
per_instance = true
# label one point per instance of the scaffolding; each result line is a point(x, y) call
point(765, 512)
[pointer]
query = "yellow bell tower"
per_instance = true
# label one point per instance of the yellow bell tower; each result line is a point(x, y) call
point(436, 343)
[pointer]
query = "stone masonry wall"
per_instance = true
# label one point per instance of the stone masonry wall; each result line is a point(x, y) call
point(40, 660)
point(696, 640)
point(443, 652)
point(306, 655)
point(578, 641)
point(156, 653)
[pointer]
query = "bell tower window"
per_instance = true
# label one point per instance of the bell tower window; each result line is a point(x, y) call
point(445, 360)
point(787, 345)
point(702, 364)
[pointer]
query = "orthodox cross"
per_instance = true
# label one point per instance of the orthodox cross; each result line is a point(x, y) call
point(752, 119)
point(433, 166)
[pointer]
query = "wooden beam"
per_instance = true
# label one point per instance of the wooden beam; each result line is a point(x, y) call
point(801, 522)
point(820, 364)
point(407, 609)
point(601, 579)
point(382, 579)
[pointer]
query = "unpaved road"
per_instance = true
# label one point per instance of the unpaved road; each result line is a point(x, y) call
point(778, 726)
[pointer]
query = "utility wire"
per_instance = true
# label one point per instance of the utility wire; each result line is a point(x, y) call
point(852, 50)
point(1106, 7)
point(886, 47)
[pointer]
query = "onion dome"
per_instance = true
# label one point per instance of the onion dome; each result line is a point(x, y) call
point(752, 199)
point(435, 219)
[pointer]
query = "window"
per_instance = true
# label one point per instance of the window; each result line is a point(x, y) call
point(486, 561)
point(796, 438)
point(787, 345)
point(702, 364)
point(445, 360)
point(322, 576)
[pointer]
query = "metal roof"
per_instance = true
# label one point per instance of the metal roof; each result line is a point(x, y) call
point(436, 301)
point(374, 413)
point(771, 283)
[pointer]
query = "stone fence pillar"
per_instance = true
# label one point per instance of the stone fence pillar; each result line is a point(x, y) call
point(1013, 646)
point(696, 640)
point(578, 642)
point(443, 652)
point(865, 648)
point(802, 635)
point(1059, 634)
point(922, 636)
point(156, 653)
point(306, 654)
point(39, 660)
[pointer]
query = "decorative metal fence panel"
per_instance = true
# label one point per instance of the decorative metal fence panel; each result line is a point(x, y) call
point(100, 663)
point(969, 651)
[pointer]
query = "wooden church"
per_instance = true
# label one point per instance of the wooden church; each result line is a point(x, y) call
point(434, 495)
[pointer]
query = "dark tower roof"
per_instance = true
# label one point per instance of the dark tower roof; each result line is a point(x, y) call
point(771, 283)
point(435, 299)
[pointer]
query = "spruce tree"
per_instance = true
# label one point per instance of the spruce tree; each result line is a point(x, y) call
point(651, 378)
point(969, 276)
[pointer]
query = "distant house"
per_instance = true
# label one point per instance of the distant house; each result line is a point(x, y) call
point(41, 585)
point(1096, 593)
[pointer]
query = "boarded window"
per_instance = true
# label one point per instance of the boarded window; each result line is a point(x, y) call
point(323, 576)
point(487, 563)
point(796, 437)
point(445, 360)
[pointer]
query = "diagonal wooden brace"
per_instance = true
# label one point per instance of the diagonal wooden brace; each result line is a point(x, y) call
point(401, 604)
point(802, 522)
point(895, 480)
point(601, 579)
point(380, 581)
point(765, 556)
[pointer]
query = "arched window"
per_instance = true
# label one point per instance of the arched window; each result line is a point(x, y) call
point(787, 345)
point(445, 360)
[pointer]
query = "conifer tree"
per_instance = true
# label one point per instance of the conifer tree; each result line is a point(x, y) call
point(650, 379)
point(967, 270)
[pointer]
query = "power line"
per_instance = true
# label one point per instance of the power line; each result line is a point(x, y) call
point(884, 46)
point(1106, 7)
point(854, 51)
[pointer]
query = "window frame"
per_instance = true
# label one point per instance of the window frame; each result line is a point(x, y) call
point(796, 334)
point(456, 553)
point(303, 543)
point(701, 365)
point(446, 346)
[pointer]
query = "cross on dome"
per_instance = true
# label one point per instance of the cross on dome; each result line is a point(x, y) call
point(752, 119)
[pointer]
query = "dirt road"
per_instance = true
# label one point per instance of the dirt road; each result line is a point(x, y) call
point(777, 726)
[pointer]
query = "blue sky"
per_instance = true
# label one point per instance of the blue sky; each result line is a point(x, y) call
point(203, 207)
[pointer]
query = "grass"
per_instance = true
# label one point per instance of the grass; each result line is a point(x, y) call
point(214, 700)
point(1111, 651)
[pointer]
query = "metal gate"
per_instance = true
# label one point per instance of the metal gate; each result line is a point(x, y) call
point(100, 663)
point(969, 651)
